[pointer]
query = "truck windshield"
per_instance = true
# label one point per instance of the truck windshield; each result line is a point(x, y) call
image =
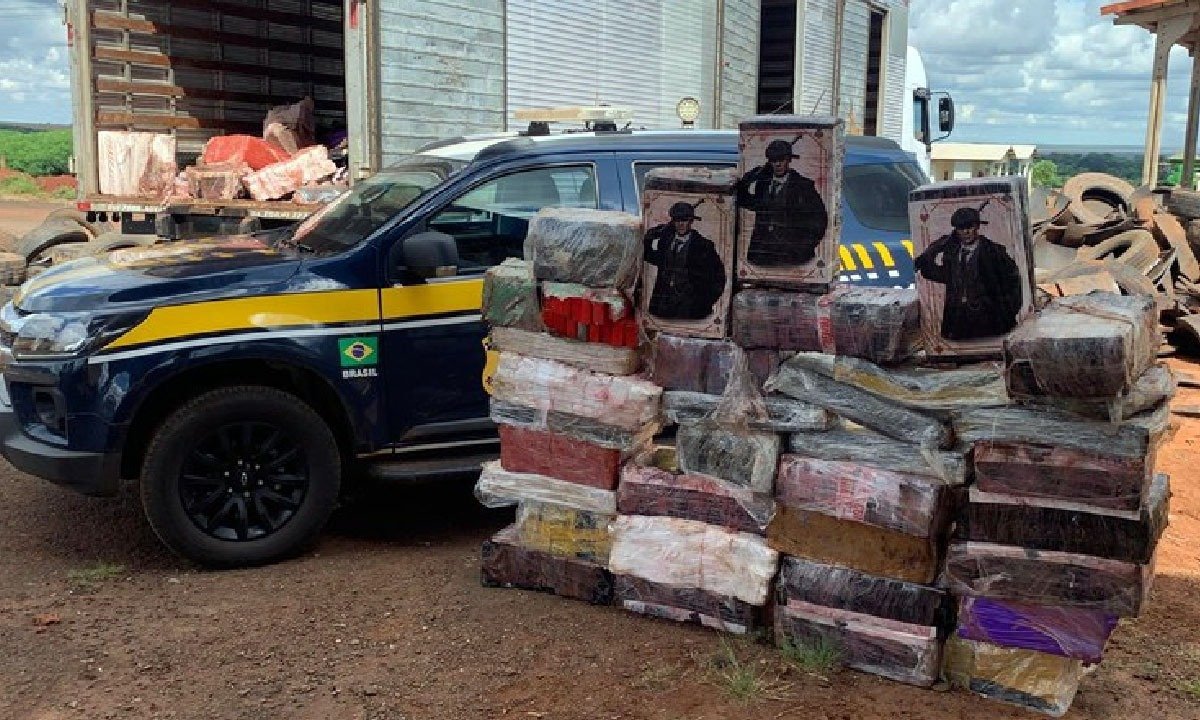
point(361, 211)
point(878, 193)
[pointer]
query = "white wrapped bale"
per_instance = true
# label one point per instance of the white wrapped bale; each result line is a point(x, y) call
point(498, 487)
point(597, 248)
point(865, 447)
point(596, 357)
point(686, 553)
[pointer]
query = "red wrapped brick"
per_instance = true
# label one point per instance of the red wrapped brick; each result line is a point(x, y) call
point(589, 314)
point(700, 365)
point(508, 564)
point(558, 456)
point(686, 604)
point(1047, 471)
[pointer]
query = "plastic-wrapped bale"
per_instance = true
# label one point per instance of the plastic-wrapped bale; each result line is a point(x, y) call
point(595, 357)
point(910, 504)
point(858, 592)
point(506, 563)
point(135, 164)
point(306, 167)
point(564, 531)
point(621, 402)
point(498, 487)
point(784, 414)
point(1147, 392)
point(899, 651)
point(867, 548)
point(586, 429)
point(1026, 678)
point(1045, 577)
point(593, 315)
point(510, 296)
point(790, 241)
point(596, 248)
point(870, 449)
point(656, 491)
point(739, 455)
point(686, 604)
point(1068, 632)
point(559, 456)
point(698, 365)
point(1044, 471)
point(687, 285)
point(1083, 346)
point(1133, 438)
point(877, 324)
point(1047, 524)
point(691, 554)
point(216, 182)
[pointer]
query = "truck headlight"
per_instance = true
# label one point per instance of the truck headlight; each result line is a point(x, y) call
point(54, 336)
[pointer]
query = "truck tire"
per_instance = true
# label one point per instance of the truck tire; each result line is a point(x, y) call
point(119, 241)
point(241, 476)
point(48, 234)
point(73, 215)
point(1094, 196)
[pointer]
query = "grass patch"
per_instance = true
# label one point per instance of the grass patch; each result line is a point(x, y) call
point(657, 677)
point(745, 680)
point(19, 185)
point(89, 579)
point(819, 657)
point(1191, 688)
point(63, 193)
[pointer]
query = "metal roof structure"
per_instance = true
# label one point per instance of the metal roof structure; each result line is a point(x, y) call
point(1173, 22)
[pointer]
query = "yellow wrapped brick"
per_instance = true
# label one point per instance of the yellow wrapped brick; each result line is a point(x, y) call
point(1026, 678)
point(564, 531)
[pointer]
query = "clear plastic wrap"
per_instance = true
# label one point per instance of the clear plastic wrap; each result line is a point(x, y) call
point(691, 554)
point(597, 248)
point(559, 456)
point(784, 414)
point(866, 447)
point(846, 589)
point(216, 182)
point(586, 429)
point(1032, 680)
point(593, 315)
point(564, 531)
point(622, 402)
point(498, 487)
point(1132, 438)
point(878, 324)
point(1093, 345)
point(686, 604)
point(506, 563)
point(510, 296)
point(910, 504)
point(135, 164)
point(276, 181)
point(698, 365)
point(1045, 471)
point(1148, 391)
point(657, 491)
point(594, 357)
point(867, 548)
point(1049, 524)
point(859, 406)
point(1068, 632)
point(1045, 577)
point(899, 651)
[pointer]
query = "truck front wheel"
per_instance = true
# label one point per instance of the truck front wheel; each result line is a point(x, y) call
point(241, 476)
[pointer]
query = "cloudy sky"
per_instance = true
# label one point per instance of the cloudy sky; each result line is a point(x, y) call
point(1037, 71)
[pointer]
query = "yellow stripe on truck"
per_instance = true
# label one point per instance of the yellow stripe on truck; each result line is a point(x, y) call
point(884, 254)
point(847, 259)
point(434, 298)
point(908, 245)
point(864, 256)
point(265, 312)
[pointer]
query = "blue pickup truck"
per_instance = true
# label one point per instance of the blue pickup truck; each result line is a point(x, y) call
point(241, 379)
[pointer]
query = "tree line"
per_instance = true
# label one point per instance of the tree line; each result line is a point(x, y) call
point(44, 152)
point(1054, 169)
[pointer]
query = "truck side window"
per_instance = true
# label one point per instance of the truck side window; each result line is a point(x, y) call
point(489, 222)
point(641, 168)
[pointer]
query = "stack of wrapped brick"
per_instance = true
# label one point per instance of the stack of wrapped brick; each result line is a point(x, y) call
point(1057, 540)
point(564, 397)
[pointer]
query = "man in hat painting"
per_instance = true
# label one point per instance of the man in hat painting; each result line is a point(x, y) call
point(690, 277)
point(983, 285)
point(790, 218)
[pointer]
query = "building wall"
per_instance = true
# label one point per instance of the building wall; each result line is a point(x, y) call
point(441, 71)
point(739, 74)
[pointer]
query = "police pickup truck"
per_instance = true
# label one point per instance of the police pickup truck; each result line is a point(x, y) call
point(241, 379)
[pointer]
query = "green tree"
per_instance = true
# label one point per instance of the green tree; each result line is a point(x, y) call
point(45, 152)
point(1044, 173)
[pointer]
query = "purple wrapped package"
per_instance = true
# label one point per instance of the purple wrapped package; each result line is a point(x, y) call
point(1075, 633)
point(700, 365)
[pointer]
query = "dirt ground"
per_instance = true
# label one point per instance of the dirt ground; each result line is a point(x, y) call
point(386, 620)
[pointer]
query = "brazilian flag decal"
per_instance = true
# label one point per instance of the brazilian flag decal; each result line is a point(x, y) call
point(358, 351)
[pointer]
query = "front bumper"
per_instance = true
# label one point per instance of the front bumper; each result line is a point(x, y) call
point(90, 473)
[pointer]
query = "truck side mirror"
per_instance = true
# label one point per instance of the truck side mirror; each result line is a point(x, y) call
point(946, 114)
point(921, 129)
point(428, 254)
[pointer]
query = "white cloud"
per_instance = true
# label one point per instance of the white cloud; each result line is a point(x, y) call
point(1045, 71)
point(34, 76)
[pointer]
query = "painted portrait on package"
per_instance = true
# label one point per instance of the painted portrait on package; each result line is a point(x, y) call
point(687, 281)
point(974, 264)
point(789, 195)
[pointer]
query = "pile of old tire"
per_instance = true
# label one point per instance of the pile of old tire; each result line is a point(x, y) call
point(67, 235)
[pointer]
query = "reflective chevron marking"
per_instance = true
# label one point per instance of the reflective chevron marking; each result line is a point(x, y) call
point(847, 258)
point(884, 254)
point(864, 257)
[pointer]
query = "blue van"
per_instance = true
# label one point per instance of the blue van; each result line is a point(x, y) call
point(241, 379)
